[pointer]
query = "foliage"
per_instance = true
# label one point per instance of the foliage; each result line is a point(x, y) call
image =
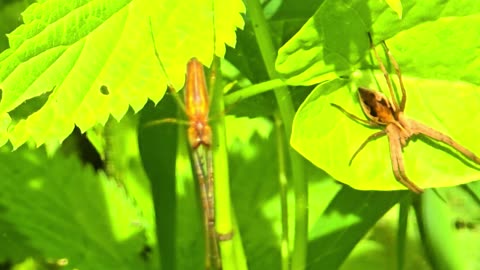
point(433, 75)
point(92, 64)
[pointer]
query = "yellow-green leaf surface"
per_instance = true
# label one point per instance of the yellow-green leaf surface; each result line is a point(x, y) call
point(328, 138)
point(440, 63)
point(332, 42)
point(95, 58)
point(395, 5)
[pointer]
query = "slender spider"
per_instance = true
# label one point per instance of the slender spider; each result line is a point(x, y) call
point(398, 128)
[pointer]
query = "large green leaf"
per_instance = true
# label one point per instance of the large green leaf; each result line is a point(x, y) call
point(379, 248)
point(328, 138)
point(55, 208)
point(333, 40)
point(439, 62)
point(441, 240)
point(449, 219)
point(348, 217)
point(177, 211)
point(95, 58)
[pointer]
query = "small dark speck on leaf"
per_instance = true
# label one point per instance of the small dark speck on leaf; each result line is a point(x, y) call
point(104, 90)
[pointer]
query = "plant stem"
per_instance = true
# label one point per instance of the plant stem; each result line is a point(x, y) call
point(285, 105)
point(223, 207)
point(252, 91)
point(283, 184)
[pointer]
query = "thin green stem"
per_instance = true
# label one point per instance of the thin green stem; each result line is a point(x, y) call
point(282, 181)
point(253, 90)
point(287, 112)
point(223, 207)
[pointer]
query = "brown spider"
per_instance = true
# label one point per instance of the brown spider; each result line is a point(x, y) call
point(398, 128)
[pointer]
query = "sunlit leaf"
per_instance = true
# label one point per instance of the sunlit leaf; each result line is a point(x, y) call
point(328, 138)
point(439, 62)
point(77, 49)
point(396, 5)
point(334, 40)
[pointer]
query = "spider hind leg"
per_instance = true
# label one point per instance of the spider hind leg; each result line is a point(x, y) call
point(398, 167)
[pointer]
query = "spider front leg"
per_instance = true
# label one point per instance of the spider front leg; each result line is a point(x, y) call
point(356, 118)
point(365, 122)
point(372, 137)
point(396, 157)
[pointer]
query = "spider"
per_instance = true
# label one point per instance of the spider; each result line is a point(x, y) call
point(381, 111)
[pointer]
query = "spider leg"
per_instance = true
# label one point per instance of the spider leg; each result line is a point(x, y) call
point(205, 205)
point(356, 118)
point(420, 128)
point(399, 74)
point(370, 138)
point(385, 73)
point(398, 167)
point(166, 120)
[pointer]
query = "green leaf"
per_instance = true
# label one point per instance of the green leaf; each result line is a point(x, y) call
point(77, 49)
point(378, 249)
point(255, 189)
point(120, 143)
point(396, 5)
point(55, 208)
point(328, 138)
point(334, 40)
point(439, 66)
point(10, 18)
point(442, 242)
point(449, 219)
point(344, 222)
point(169, 186)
